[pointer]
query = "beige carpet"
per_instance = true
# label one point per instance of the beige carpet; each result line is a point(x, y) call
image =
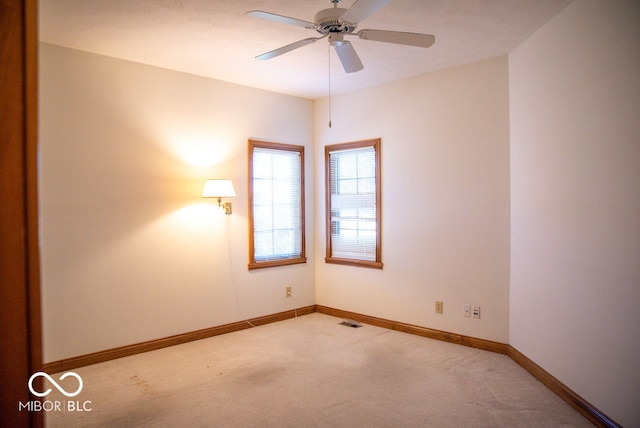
point(313, 372)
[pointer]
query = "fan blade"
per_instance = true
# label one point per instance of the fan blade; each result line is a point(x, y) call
point(363, 9)
point(399, 37)
point(288, 48)
point(282, 19)
point(348, 57)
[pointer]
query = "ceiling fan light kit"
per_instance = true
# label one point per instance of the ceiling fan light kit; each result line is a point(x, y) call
point(335, 23)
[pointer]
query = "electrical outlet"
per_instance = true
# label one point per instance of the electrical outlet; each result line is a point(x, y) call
point(288, 291)
point(439, 307)
point(476, 312)
point(467, 311)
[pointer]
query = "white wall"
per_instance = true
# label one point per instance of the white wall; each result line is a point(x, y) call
point(575, 177)
point(445, 196)
point(130, 252)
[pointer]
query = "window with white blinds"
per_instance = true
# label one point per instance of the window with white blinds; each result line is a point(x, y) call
point(353, 203)
point(276, 220)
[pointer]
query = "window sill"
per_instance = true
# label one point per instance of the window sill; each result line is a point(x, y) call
point(272, 263)
point(352, 262)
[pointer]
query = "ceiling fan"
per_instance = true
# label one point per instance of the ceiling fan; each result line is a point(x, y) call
point(337, 22)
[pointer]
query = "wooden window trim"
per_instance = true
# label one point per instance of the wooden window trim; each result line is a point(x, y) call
point(377, 264)
point(253, 264)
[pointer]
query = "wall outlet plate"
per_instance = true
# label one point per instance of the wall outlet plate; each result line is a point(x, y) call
point(439, 307)
point(475, 313)
point(288, 291)
point(467, 311)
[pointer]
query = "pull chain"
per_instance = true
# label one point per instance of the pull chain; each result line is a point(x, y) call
point(329, 62)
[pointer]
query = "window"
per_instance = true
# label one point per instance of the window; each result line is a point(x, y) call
point(352, 172)
point(276, 204)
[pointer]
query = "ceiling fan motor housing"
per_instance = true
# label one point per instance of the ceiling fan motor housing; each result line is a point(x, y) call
point(328, 21)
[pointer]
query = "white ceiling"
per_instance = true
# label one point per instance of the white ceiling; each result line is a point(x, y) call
point(213, 38)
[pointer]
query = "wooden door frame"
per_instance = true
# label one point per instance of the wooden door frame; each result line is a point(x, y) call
point(20, 312)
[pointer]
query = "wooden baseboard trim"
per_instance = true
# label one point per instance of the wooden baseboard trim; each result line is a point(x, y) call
point(487, 345)
point(589, 411)
point(138, 348)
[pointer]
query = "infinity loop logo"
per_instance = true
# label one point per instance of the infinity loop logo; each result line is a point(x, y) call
point(62, 390)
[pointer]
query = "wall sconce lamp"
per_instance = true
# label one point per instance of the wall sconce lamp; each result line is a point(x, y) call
point(219, 189)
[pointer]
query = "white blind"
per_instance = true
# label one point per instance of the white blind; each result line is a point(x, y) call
point(276, 204)
point(352, 186)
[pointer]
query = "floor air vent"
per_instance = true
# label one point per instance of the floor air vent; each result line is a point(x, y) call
point(351, 323)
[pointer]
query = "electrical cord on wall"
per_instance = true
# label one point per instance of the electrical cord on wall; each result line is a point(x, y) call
point(295, 306)
point(233, 281)
point(235, 288)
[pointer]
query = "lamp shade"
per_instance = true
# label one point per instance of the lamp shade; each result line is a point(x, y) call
point(218, 189)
